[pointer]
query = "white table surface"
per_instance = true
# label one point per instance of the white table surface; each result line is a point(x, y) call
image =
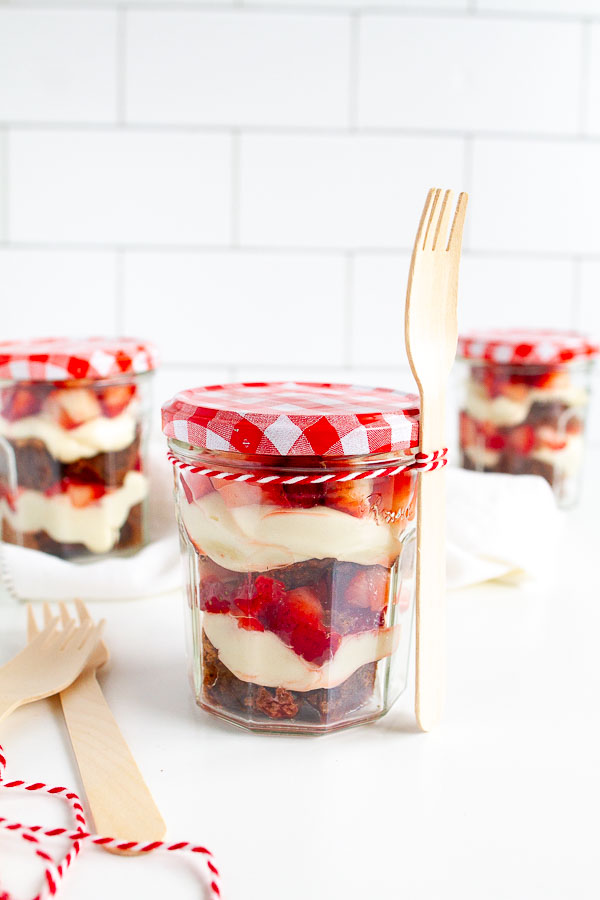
point(501, 802)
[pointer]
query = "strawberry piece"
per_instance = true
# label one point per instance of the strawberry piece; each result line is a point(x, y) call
point(115, 398)
point(350, 496)
point(304, 496)
point(467, 430)
point(250, 623)
point(72, 407)
point(549, 437)
point(82, 495)
point(516, 392)
point(19, 402)
point(369, 589)
point(214, 603)
point(551, 379)
point(522, 439)
point(300, 606)
point(194, 486)
point(238, 493)
point(310, 643)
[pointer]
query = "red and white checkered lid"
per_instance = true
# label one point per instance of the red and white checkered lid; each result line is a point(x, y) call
point(66, 359)
point(294, 419)
point(526, 347)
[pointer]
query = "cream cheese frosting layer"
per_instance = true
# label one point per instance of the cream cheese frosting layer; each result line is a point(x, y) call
point(505, 411)
point(262, 658)
point(566, 460)
point(258, 537)
point(98, 435)
point(96, 526)
point(482, 457)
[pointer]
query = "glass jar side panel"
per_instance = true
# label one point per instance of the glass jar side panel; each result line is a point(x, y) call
point(526, 420)
point(72, 465)
point(300, 597)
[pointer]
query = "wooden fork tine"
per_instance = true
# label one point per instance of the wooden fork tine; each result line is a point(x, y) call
point(47, 614)
point(441, 232)
point(456, 231)
point(67, 633)
point(431, 224)
point(65, 618)
point(32, 627)
point(425, 216)
point(82, 611)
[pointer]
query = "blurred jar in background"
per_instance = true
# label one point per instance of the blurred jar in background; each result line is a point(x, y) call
point(524, 405)
point(73, 432)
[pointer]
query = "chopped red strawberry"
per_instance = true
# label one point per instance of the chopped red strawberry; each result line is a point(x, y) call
point(72, 407)
point(238, 493)
point(250, 623)
point(550, 437)
point(303, 496)
point(467, 430)
point(350, 496)
point(553, 378)
point(310, 643)
point(19, 401)
point(294, 607)
point(213, 603)
point(195, 486)
point(369, 588)
point(115, 398)
point(82, 495)
point(522, 439)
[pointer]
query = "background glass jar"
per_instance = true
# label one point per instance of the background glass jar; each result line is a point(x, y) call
point(525, 418)
point(300, 595)
point(72, 462)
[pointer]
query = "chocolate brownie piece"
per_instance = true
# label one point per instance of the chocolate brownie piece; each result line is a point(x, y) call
point(130, 538)
point(38, 470)
point(550, 413)
point(221, 688)
point(514, 464)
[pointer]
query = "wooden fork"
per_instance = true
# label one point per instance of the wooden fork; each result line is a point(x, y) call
point(431, 336)
point(47, 664)
point(120, 802)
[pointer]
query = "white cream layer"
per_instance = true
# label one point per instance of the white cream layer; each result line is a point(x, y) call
point(480, 456)
point(96, 526)
point(566, 460)
point(505, 411)
point(262, 658)
point(257, 537)
point(99, 435)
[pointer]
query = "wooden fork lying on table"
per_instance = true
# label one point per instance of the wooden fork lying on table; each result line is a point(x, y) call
point(120, 802)
point(48, 664)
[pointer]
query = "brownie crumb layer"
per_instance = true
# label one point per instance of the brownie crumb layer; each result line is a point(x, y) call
point(223, 690)
point(130, 538)
point(39, 471)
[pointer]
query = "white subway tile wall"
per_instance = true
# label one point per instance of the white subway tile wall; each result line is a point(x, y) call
point(241, 181)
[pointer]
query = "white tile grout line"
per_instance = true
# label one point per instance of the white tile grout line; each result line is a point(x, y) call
point(121, 67)
point(310, 8)
point(348, 324)
point(4, 184)
point(353, 70)
point(291, 131)
point(236, 187)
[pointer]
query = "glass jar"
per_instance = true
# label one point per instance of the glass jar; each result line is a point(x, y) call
point(524, 406)
point(299, 565)
point(73, 433)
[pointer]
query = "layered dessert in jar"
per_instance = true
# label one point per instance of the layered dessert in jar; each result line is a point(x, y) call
point(73, 424)
point(296, 507)
point(525, 403)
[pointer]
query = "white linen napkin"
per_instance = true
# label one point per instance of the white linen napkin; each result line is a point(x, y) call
point(499, 526)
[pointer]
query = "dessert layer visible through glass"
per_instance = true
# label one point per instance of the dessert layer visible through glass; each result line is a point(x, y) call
point(300, 595)
point(72, 479)
point(525, 419)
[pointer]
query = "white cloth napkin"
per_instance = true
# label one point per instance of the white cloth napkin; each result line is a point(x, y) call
point(499, 526)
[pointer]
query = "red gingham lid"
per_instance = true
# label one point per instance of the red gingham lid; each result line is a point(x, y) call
point(294, 419)
point(66, 359)
point(526, 347)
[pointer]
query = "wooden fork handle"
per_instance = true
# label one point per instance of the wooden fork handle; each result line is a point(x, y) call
point(430, 599)
point(119, 800)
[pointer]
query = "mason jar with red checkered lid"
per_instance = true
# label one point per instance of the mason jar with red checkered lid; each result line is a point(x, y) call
point(525, 403)
point(73, 424)
point(296, 507)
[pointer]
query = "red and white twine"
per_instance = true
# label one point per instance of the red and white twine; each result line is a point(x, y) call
point(55, 869)
point(419, 462)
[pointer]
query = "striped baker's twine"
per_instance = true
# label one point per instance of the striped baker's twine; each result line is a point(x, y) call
point(419, 462)
point(55, 870)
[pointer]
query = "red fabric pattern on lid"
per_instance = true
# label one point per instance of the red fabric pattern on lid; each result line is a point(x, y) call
point(526, 347)
point(67, 359)
point(294, 419)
